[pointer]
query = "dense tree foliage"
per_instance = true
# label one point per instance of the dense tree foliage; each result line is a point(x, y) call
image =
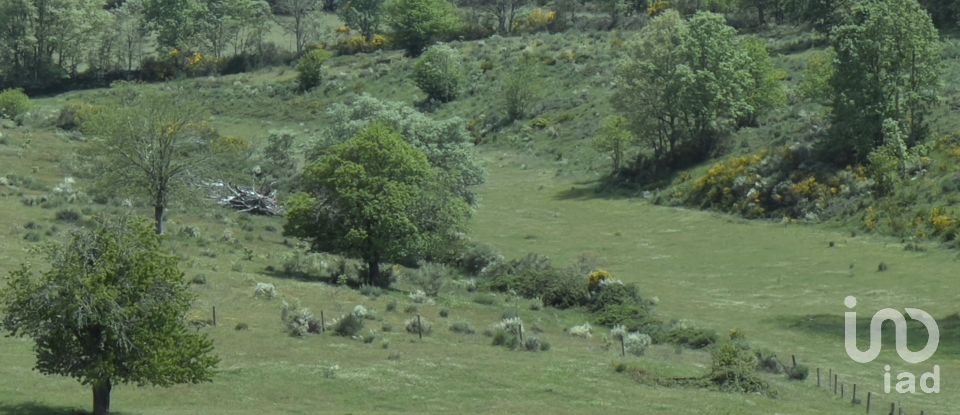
point(109, 310)
point(363, 15)
point(375, 197)
point(439, 73)
point(416, 24)
point(887, 66)
point(446, 143)
point(683, 84)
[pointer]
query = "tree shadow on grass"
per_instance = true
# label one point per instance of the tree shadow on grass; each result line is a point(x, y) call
point(34, 408)
point(597, 189)
point(832, 326)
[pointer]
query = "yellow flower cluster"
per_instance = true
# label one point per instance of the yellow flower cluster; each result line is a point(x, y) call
point(196, 59)
point(540, 18)
point(940, 220)
point(870, 219)
point(343, 29)
point(658, 7)
point(593, 281)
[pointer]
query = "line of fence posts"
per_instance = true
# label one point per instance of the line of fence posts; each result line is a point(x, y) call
point(896, 408)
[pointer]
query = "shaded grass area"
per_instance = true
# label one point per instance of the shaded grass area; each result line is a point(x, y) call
point(831, 326)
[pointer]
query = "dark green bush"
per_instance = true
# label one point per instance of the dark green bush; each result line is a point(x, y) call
point(348, 326)
point(734, 368)
point(13, 102)
point(613, 294)
point(68, 215)
point(798, 372)
point(310, 68)
point(474, 258)
point(693, 338)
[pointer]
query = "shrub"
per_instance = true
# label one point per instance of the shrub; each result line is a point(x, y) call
point(595, 278)
point(584, 330)
point(462, 327)
point(391, 306)
point(74, 114)
point(360, 44)
point(439, 73)
point(636, 343)
point(13, 102)
point(296, 319)
point(734, 369)
point(241, 326)
point(485, 299)
point(420, 297)
point(189, 232)
point(348, 325)
point(410, 309)
point(768, 362)
point(310, 68)
point(691, 337)
point(199, 279)
point(68, 215)
point(265, 290)
point(418, 23)
point(475, 258)
point(536, 304)
point(444, 313)
point(418, 325)
point(369, 338)
point(532, 344)
point(798, 372)
point(430, 278)
point(518, 90)
point(371, 291)
point(360, 311)
point(614, 293)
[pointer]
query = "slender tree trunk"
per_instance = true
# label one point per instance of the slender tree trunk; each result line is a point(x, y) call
point(159, 215)
point(373, 272)
point(101, 398)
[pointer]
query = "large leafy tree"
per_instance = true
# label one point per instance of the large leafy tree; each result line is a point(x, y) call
point(375, 197)
point(446, 142)
point(887, 66)
point(683, 84)
point(109, 310)
point(153, 146)
point(416, 24)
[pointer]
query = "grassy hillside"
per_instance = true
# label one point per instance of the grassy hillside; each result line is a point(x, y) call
point(780, 283)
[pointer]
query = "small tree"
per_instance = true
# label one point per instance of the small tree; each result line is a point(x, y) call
point(152, 146)
point(109, 310)
point(518, 89)
point(299, 13)
point(310, 68)
point(363, 15)
point(418, 23)
point(439, 73)
point(375, 197)
point(614, 139)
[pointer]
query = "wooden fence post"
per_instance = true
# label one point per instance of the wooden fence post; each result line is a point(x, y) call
point(893, 408)
point(841, 391)
point(818, 377)
point(794, 358)
point(323, 323)
point(869, 395)
point(854, 399)
point(214, 316)
point(419, 327)
point(835, 381)
point(520, 331)
point(623, 348)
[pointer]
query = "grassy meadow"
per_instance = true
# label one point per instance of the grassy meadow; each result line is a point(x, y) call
point(780, 283)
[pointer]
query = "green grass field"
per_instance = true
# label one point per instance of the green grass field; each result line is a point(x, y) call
point(781, 284)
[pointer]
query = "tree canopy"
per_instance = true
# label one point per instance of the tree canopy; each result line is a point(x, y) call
point(887, 66)
point(375, 197)
point(109, 310)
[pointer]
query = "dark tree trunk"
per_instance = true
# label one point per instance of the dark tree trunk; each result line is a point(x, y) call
point(159, 215)
point(101, 398)
point(373, 273)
